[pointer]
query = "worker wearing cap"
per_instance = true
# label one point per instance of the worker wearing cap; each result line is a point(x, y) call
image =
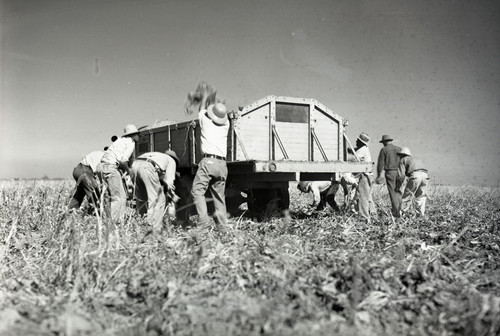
point(366, 207)
point(113, 163)
point(323, 193)
point(153, 174)
point(212, 169)
point(416, 186)
point(86, 183)
point(388, 160)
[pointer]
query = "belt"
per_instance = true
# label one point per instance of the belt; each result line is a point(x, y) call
point(214, 157)
point(157, 167)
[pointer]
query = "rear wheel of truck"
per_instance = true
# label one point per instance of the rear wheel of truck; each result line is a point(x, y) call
point(267, 203)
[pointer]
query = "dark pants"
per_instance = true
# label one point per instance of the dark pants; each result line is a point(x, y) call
point(394, 195)
point(86, 185)
point(328, 197)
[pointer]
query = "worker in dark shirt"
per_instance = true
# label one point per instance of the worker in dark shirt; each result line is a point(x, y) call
point(388, 160)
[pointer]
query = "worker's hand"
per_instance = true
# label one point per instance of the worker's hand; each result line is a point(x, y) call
point(379, 180)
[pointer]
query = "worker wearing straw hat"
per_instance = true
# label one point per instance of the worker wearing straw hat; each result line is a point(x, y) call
point(416, 186)
point(388, 160)
point(365, 206)
point(113, 163)
point(153, 174)
point(212, 169)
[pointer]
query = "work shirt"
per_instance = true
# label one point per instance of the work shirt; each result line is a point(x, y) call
point(166, 165)
point(364, 155)
point(121, 150)
point(213, 137)
point(408, 165)
point(388, 158)
point(92, 160)
point(317, 188)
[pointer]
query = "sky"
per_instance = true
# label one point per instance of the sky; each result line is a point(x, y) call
point(75, 72)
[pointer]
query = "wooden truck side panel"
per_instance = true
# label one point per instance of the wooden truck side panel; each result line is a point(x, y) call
point(328, 131)
point(253, 130)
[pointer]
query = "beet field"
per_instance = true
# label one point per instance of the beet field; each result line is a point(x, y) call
point(69, 274)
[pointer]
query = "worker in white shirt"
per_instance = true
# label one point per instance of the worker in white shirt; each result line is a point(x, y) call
point(86, 183)
point(414, 171)
point(212, 169)
point(323, 193)
point(116, 160)
point(365, 206)
point(153, 174)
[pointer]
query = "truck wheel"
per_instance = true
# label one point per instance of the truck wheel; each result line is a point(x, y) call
point(265, 202)
point(183, 186)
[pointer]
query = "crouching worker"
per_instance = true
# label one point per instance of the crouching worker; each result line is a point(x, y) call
point(153, 174)
point(323, 193)
point(86, 182)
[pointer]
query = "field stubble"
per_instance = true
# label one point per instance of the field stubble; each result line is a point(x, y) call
point(65, 274)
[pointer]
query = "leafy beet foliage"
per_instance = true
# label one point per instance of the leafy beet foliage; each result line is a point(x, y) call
point(69, 274)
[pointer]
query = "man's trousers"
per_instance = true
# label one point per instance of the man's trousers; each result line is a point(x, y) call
point(210, 176)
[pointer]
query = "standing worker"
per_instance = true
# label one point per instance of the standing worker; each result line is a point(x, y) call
point(153, 175)
point(86, 183)
point(388, 160)
point(212, 169)
point(116, 160)
point(366, 207)
point(416, 186)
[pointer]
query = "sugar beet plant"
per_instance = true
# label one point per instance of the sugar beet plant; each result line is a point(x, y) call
point(69, 274)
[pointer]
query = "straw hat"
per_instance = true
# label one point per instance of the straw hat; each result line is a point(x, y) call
point(172, 154)
point(404, 151)
point(218, 114)
point(130, 129)
point(386, 138)
point(364, 138)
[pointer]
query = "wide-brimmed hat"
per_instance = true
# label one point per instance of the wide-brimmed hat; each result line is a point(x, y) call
point(172, 154)
point(130, 129)
point(386, 137)
point(364, 138)
point(404, 151)
point(217, 113)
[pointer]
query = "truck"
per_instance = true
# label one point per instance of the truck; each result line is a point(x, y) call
point(271, 142)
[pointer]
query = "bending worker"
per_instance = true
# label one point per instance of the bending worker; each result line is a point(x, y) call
point(153, 174)
point(416, 186)
point(116, 160)
point(86, 183)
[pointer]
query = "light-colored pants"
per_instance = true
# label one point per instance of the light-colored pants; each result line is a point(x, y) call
point(416, 192)
point(211, 175)
point(150, 197)
point(117, 207)
point(366, 206)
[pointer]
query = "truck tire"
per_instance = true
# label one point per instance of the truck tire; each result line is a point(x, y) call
point(266, 202)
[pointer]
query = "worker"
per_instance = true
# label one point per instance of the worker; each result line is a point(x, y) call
point(416, 186)
point(115, 162)
point(365, 205)
point(153, 174)
point(324, 192)
point(212, 169)
point(86, 183)
point(388, 160)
